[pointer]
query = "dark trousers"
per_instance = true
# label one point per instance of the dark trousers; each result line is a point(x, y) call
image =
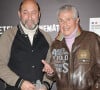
point(11, 88)
point(6, 87)
point(2, 85)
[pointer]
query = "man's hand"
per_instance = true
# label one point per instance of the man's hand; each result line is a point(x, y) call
point(47, 68)
point(26, 85)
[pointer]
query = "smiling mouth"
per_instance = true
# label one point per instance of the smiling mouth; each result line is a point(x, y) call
point(66, 29)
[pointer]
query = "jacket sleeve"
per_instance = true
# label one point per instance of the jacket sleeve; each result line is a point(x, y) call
point(46, 81)
point(96, 68)
point(5, 45)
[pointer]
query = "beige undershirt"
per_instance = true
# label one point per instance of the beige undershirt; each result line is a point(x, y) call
point(30, 33)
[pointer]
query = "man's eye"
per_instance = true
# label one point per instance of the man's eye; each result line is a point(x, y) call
point(68, 19)
point(60, 20)
point(24, 12)
point(34, 12)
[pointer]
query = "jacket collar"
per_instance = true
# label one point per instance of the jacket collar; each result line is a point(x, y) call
point(22, 32)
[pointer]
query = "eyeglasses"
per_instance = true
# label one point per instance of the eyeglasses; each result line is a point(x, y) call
point(62, 21)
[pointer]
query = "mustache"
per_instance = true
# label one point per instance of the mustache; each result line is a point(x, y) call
point(30, 21)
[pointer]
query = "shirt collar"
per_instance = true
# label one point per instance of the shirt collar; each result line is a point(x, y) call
point(27, 31)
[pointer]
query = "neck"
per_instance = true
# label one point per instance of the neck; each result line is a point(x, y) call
point(73, 35)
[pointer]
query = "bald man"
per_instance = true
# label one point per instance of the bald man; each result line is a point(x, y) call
point(24, 47)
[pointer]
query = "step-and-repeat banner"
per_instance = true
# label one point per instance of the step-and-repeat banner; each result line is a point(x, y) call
point(88, 9)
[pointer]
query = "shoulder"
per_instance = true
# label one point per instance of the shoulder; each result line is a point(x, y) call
point(10, 31)
point(9, 34)
point(90, 34)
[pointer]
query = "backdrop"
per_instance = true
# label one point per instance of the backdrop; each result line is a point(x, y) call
point(87, 9)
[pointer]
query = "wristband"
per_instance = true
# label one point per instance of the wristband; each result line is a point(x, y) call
point(47, 85)
point(19, 83)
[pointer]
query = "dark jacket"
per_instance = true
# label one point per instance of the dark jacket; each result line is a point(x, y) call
point(80, 68)
point(13, 47)
point(25, 59)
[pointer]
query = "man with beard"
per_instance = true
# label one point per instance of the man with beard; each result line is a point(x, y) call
point(23, 49)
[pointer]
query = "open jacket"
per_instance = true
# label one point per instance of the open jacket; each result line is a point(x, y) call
point(6, 41)
point(80, 68)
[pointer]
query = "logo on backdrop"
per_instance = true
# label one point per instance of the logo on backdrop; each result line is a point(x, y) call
point(3, 29)
point(50, 28)
point(46, 28)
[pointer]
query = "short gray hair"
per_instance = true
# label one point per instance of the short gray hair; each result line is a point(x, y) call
point(69, 8)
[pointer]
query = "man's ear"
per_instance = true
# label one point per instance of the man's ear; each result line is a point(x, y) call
point(39, 14)
point(77, 20)
point(19, 13)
